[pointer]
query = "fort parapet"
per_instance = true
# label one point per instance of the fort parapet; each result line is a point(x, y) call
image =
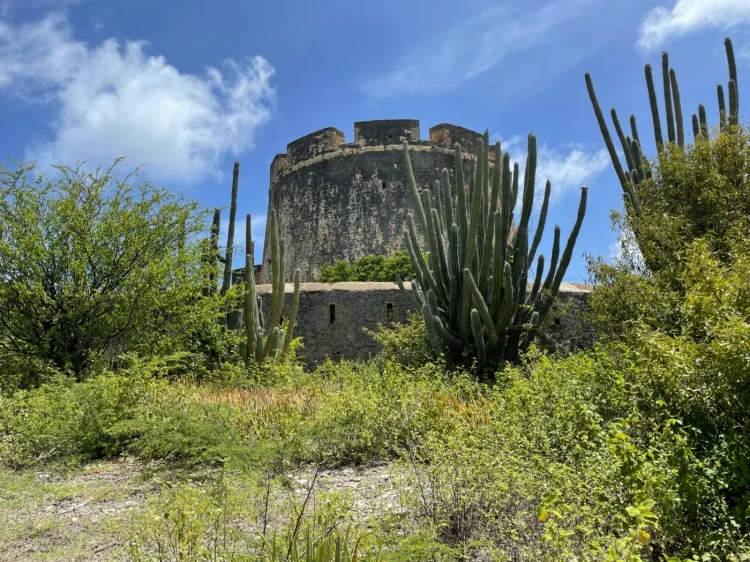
point(338, 200)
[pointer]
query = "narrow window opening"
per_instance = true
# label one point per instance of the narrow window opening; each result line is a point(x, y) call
point(383, 185)
point(389, 311)
point(557, 321)
point(331, 313)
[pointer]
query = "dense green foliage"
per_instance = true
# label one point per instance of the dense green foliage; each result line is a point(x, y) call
point(92, 266)
point(472, 290)
point(370, 268)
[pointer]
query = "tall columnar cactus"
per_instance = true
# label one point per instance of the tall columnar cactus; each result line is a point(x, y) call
point(227, 280)
point(212, 254)
point(272, 341)
point(637, 164)
point(472, 289)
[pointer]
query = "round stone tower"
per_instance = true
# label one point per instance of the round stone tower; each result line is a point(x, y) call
point(338, 200)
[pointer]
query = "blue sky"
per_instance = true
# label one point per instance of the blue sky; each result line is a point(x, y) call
point(185, 88)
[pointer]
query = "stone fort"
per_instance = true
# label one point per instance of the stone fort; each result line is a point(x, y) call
point(338, 200)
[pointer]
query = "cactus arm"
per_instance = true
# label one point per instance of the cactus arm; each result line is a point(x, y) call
point(529, 182)
point(507, 310)
point(605, 131)
point(227, 281)
point(448, 198)
point(432, 334)
point(668, 97)
point(442, 260)
point(549, 280)
point(703, 120)
point(476, 328)
point(654, 107)
point(293, 315)
point(417, 201)
point(696, 127)
point(677, 108)
point(722, 107)
point(634, 129)
point(461, 194)
point(408, 294)
point(731, 61)
point(481, 306)
point(537, 280)
point(623, 141)
point(734, 104)
point(567, 253)
point(540, 224)
point(417, 257)
point(214, 250)
point(497, 172)
point(471, 235)
point(514, 189)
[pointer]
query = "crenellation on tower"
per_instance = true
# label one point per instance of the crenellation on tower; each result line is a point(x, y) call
point(315, 143)
point(446, 135)
point(338, 200)
point(278, 165)
point(386, 132)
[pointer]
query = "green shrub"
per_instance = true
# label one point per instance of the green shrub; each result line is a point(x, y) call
point(369, 268)
point(404, 343)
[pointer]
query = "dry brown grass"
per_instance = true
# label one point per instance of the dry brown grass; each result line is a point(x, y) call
point(258, 399)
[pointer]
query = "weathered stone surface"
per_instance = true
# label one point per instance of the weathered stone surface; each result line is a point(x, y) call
point(346, 201)
point(332, 317)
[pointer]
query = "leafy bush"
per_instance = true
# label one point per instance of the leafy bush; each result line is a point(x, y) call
point(92, 265)
point(369, 268)
point(695, 191)
point(404, 343)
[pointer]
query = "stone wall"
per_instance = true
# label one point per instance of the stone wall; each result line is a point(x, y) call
point(332, 316)
point(335, 200)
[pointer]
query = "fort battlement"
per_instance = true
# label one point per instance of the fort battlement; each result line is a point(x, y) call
point(377, 135)
point(345, 200)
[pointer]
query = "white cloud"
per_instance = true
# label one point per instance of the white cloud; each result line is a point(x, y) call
point(115, 100)
point(474, 46)
point(685, 16)
point(567, 168)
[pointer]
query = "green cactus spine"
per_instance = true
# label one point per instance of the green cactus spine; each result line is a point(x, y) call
point(473, 291)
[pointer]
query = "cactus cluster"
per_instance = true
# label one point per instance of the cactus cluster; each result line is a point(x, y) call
point(472, 288)
point(638, 168)
point(272, 341)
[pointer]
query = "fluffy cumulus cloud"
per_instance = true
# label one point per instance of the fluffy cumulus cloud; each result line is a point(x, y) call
point(114, 100)
point(686, 16)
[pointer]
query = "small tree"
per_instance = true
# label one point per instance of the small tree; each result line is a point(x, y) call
point(91, 264)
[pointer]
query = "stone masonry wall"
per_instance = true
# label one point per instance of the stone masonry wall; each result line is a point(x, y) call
point(335, 200)
point(331, 317)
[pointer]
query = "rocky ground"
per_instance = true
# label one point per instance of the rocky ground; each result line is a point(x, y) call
point(84, 514)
